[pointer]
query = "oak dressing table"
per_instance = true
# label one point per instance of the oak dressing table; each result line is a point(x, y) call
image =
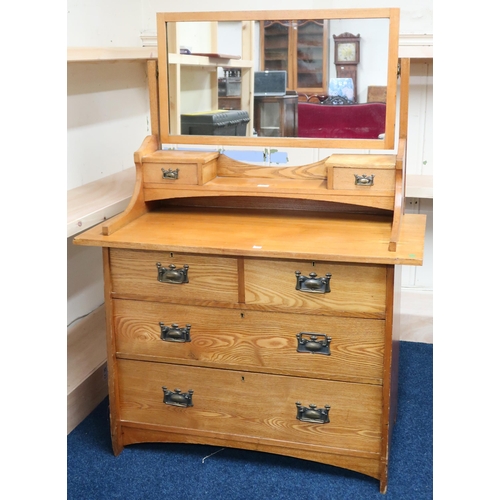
point(256, 306)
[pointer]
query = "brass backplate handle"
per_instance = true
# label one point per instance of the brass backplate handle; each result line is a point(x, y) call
point(312, 284)
point(313, 414)
point(363, 180)
point(172, 275)
point(178, 398)
point(170, 173)
point(315, 343)
point(174, 333)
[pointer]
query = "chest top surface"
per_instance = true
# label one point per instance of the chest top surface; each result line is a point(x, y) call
point(271, 234)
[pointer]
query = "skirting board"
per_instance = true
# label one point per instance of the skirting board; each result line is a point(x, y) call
point(84, 398)
point(417, 315)
point(87, 381)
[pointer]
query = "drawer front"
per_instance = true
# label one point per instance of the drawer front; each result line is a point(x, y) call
point(354, 288)
point(171, 174)
point(251, 405)
point(255, 340)
point(137, 272)
point(364, 179)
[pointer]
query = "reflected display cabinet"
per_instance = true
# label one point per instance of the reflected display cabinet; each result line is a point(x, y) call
point(276, 116)
point(256, 306)
point(298, 47)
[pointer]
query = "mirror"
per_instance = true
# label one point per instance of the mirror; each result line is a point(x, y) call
point(279, 78)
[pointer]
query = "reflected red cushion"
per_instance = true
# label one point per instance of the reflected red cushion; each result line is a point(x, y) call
point(343, 121)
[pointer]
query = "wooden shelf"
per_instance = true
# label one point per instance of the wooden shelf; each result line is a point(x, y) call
point(99, 200)
point(96, 54)
point(86, 377)
point(353, 238)
point(412, 46)
point(419, 186)
point(416, 46)
point(197, 60)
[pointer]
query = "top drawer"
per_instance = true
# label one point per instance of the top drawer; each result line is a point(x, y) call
point(368, 174)
point(178, 174)
point(167, 169)
point(164, 275)
point(363, 180)
point(352, 289)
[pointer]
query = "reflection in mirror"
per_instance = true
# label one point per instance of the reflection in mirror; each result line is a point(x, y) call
point(285, 78)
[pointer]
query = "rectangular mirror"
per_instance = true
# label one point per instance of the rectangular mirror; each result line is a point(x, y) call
point(324, 78)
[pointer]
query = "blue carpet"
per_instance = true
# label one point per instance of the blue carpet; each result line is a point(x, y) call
point(177, 471)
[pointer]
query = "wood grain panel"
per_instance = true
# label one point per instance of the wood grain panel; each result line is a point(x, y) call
point(261, 233)
point(227, 167)
point(233, 404)
point(359, 161)
point(355, 289)
point(134, 272)
point(133, 433)
point(252, 340)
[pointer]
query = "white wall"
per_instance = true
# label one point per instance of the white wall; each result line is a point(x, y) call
point(105, 23)
point(108, 112)
point(416, 17)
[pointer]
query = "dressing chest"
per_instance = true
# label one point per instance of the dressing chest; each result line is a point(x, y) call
point(256, 306)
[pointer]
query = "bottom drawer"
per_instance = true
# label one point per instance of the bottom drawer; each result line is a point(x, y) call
point(252, 406)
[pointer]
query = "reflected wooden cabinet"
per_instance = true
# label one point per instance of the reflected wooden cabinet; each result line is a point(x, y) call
point(298, 47)
point(230, 102)
point(276, 116)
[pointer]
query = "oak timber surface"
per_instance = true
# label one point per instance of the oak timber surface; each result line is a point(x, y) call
point(131, 273)
point(99, 200)
point(253, 405)
point(249, 340)
point(259, 233)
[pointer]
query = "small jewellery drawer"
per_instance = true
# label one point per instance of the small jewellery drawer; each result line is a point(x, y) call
point(173, 174)
point(363, 179)
point(173, 276)
point(310, 287)
point(167, 169)
point(303, 345)
point(255, 406)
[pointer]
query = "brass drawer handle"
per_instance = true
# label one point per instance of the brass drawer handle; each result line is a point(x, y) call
point(313, 284)
point(170, 173)
point(174, 333)
point(178, 398)
point(312, 344)
point(313, 414)
point(172, 275)
point(363, 180)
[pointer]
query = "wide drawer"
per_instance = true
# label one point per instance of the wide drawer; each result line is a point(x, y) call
point(355, 289)
point(240, 405)
point(344, 348)
point(138, 273)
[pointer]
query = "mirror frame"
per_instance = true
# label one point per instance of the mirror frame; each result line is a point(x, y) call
point(164, 99)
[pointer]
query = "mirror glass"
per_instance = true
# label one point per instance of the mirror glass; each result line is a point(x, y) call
point(287, 80)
